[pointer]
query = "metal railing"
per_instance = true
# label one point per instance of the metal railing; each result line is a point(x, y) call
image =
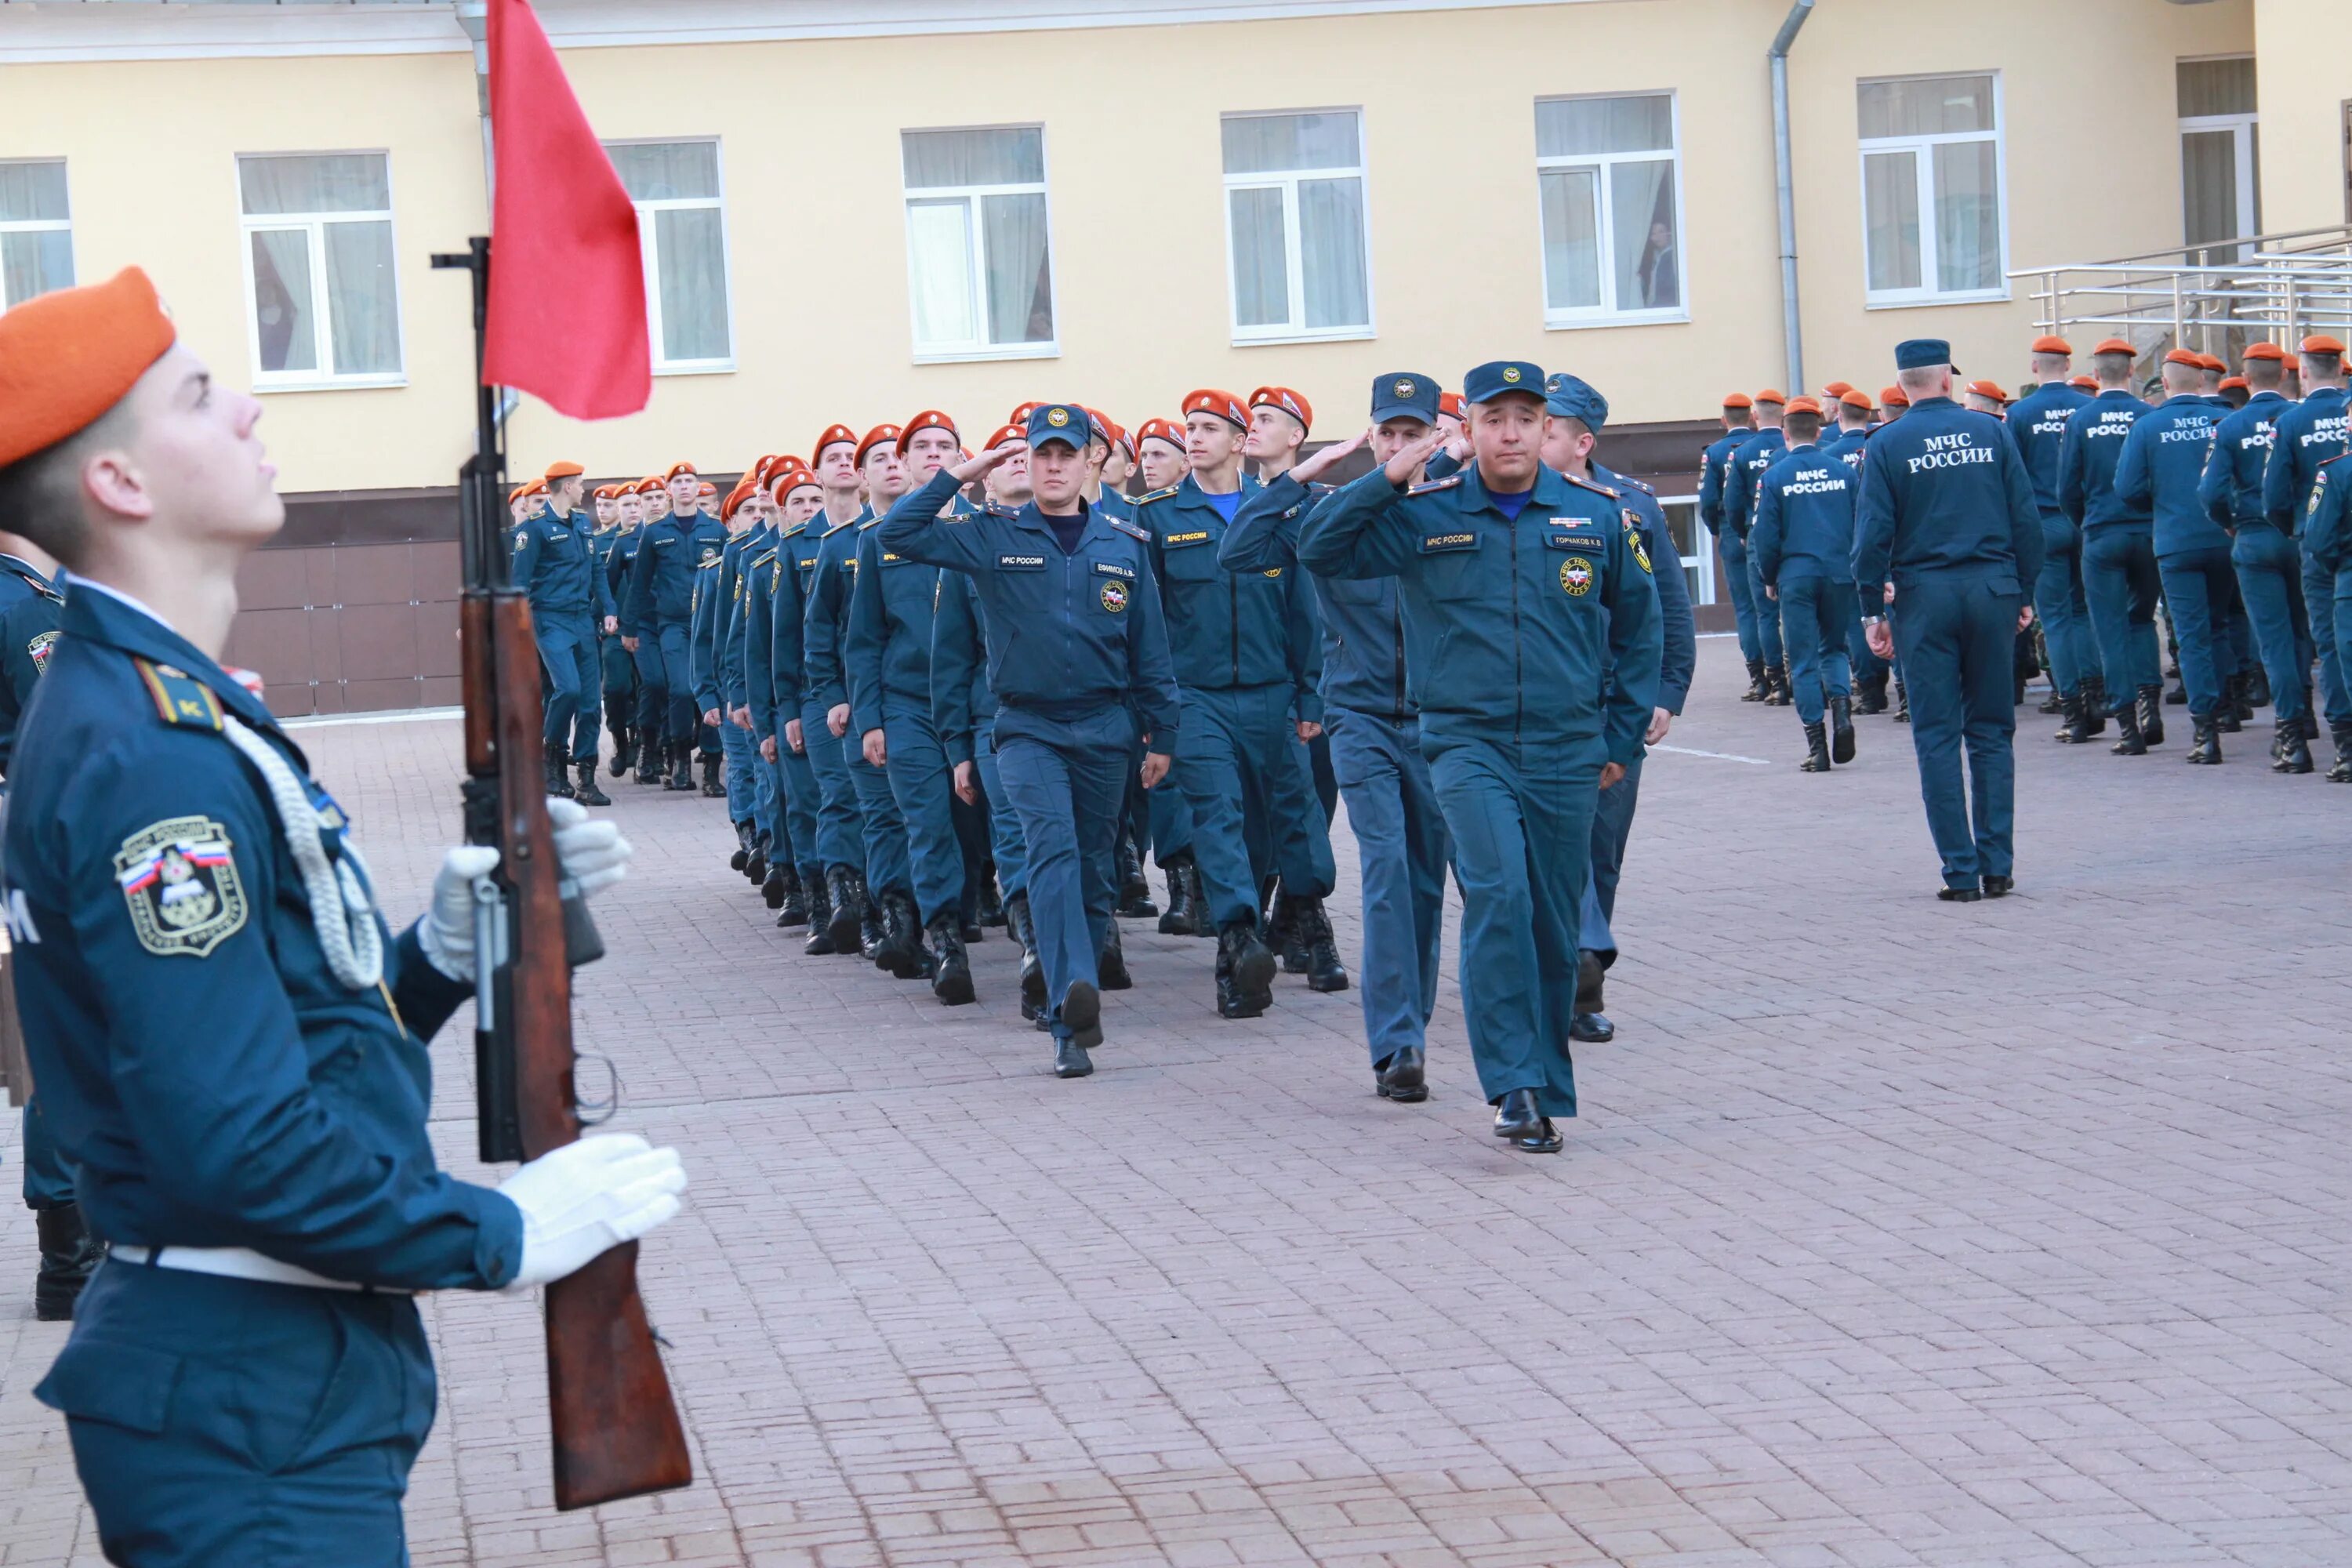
point(2216, 298)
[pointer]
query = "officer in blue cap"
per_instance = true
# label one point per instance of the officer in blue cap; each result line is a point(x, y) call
point(1531, 626)
point(2163, 460)
point(1802, 544)
point(2119, 576)
point(1740, 472)
point(555, 564)
point(1947, 515)
point(2270, 577)
point(1374, 724)
point(1078, 585)
point(2304, 436)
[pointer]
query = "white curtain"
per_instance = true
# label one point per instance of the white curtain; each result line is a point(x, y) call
point(1020, 276)
point(1261, 262)
point(1641, 219)
point(1890, 191)
point(362, 315)
point(939, 237)
point(1572, 237)
point(283, 301)
point(1331, 253)
point(1968, 216)
point(34, 263)
point(690, 256)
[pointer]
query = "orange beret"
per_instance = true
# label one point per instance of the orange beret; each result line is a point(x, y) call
point(1770, 394)
point(2084, 383)
point(1802, 404)
point(2321, 343)
point(1738, 400)
point(1004, 433)
point(651, 484)
point(1160, 430)
point(2046, 344)
point(1893, 398)
point(562, 471)
point(1450, 403)
point(2183, 356)
point(785, 481)
point(708, 488)
point(2114, 346)
point(69, 356)
point(881, 435)
point(677, 469)
point(1020, 416)
point(833, 433)
point(1989, 389)
point(2234, 381)
point(928, 419)
point(1855, 398)
point(516, 494)
point(607, 492)
point(1838, 388)
point(2209, 361)
point(744, 489)
point(1287, 400)
point(1224, 404)
point(2265, 351)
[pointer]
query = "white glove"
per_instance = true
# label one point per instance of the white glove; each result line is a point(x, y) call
point(589, 1196)
point(591, 849)
point(447, 932)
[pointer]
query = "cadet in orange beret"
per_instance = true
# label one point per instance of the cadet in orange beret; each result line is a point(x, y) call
point(616, 551)
point(1741, 470)
point(1159, 453)
point(555, 564)
point(1738, 421)
point(2037, 424)
point(2305, 436)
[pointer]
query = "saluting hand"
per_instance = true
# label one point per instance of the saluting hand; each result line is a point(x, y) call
point(878, 749)
point(966, 472)
point(1329, 457)
point(1402, 467)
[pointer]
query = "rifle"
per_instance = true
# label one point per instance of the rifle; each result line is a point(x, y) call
point(614, 1425)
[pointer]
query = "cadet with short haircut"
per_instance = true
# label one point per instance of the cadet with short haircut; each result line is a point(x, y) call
point(2163, 459)
point(1802, 546)
point(2270, 575)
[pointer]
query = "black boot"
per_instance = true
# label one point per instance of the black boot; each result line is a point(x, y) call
point(742, 856)
point(1278, 928)
point(2129, 742)
point(2205, 743)
point(1775, 686)
point(1901, 702)
point(2310, 720)
point(2342, 771)
point(1589, 1023)
point(1870, 694)
point(782, 892)
point(652, 760)
point(992, 902)
point(2151, 714)
point(1312, 923)
point(872, 928)
point(1070, 1059)
point(587, 793)
point(1184, 915)
point(1402, 1076)
point(846, 909)
point(951, 969)
point(624, 749)
point(69, 1254)
point(1022, 928)
point(1841, 730)
point(1134, 888)
point(1516, 1115)
point(2094, 703)
point(818, 917)
point(2177, 695)
point(2258, 687)
point(1244, 971)
point(713, 785)
point(681, 767)
point(901, 935)
point(755, 869)
point(2242, 688)
point(1817, 750)
point(557, 784)
point(2226, 717)
point(1757, 690)
point(2077, 729)
point(1110, 964)
point(2055, 702)
point(2293, 752)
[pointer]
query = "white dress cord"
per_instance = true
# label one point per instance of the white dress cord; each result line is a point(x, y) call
point(340, 907)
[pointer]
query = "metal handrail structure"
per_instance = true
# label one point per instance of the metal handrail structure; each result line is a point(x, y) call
point(2216, 298)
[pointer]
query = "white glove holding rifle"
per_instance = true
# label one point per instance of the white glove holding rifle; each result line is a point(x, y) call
point(589, 1196)
point(589, 850)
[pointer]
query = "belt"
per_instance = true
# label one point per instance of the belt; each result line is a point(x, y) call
point(240, 1263)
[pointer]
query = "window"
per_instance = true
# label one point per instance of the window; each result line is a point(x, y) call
point(1694, 543)
point(1606, 171)
point(1295, 226)
point(1931, 200)
point(2221, 197)
point(35, 231)
point(682, 230)
point(319, 270)
point(980, 271)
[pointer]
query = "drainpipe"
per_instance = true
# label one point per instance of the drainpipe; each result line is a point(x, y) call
point(474, 15)
point(1791, 324)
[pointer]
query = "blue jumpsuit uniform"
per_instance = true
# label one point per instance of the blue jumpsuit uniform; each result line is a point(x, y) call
point(2119, 576)
point(772, 691)
point(555, 564)
point(1801, 545)
point(1078, 646)
point(649, 700)
point(1248, 658)
point(2327, 542)
point(1532, 649)
point(2163, 460)
point(1745, 464)
point(718, 588)
point(754, 577)
point(1946, 514)
point(824, 643)
point(1729, 546)
point(2270, 574)
point(31, 614)
point(619, 669)
point(216, 1082)
point(2037, 424)
point(1845, 445)
point(963, 712)
point(1402, 844)
point(2305, 436)
point(826, 567)
point(660, 608)
point(886, 651)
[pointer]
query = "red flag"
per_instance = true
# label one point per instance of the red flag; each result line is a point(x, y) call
point(567, 309)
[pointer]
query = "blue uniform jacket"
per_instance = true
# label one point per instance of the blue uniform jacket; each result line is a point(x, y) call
point(2232, 484)
point(715, 580)
point(1943, 490)
point(1845, 445)
point(1711, 476)
point(662, 576)
point(2037, 422)
point(1228, 630)
point(1117, 505)
point(29, 621)
point(209, 1081)
point(886, 644)
point(1741, 470)
point(555, 563)
point(2304, 436)
point(1678, 631)
point(755, 640)
point(1804, 517)
point(2087, 455)
point(620, 563)
point(1513, 629)
point(1069, 633)
point(2163, 460)
point(825, 615)
point(796, 559)
point(727, 614)
point(2327, 517)
point(1363, 625)
point(961, 699)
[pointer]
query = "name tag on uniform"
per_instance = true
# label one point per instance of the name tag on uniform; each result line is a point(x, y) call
point(1574, 541)
point(1019, 563)
point(1431, 544)
point(889, 559)
point(1113, 569)
point(669, 541)
point(1173, 540)
point(554, 536)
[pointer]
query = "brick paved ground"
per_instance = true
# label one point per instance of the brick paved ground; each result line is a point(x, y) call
point(1894, 1232)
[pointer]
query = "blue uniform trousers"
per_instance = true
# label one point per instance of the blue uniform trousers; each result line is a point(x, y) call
point(653, 692)
point(1401, 849)
point(2058, 603)
point(1065, 780)
point(619, 685)
point(840, 819)
point(797, 799)
point(2339, 611)
point(1813, 615)
point(1767, 625)
point(217, 1421)
point(676, 698)
point(885, 829)
point(2200, 593)
point(1612, 824)
point(920, 784)
point(2270, 581)
point(2120, 581)
point(2334, 695)
point(1237, 740)
point(736, 745)
point(1010, 850)
point(575, 685)
point(1171, 825)
point(1520, 813)
point(47, 1183)
point(1957, 639)
point(1733, 550)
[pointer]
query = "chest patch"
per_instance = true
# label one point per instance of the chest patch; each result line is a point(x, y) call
point(1019, 563)
point(1576, 577)
point(1113, 569)
point(181, 883)
point(1114, 597)
point(1199, 536)
point(1431, 544)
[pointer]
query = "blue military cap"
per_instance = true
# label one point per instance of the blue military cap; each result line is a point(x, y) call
point(1496, 377)
point(1572, 397)
point(1065, 422)
point(1404, 394)
point(1912, 353)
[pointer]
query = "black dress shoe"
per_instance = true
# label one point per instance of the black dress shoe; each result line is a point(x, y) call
point(1958, 895)
point(1070, 1059)
point(1516, 1116)
point(1591, 1029)
point(1082, 1014)
point(1401, 1077)
point(1999, 886)
point(1543, 1140)
point(1588, 1024)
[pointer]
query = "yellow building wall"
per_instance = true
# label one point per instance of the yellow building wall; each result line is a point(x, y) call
point(817, 240)
point(2303, 75)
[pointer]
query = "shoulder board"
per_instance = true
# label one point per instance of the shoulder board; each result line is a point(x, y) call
point(837, 526)
point(45, 590)
point(869, 522)
point(784, 533)
point(763, 559)
point(709, 564)
point(2326, 462)
point(1447, 483)
point(1631, 484)
point(1157, 495)
point(1120, 525)
point(994, 510)
point(1589, 485)
point(178, 698)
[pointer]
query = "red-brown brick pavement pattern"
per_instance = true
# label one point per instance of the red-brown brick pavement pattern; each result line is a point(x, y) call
point(1894, 1232)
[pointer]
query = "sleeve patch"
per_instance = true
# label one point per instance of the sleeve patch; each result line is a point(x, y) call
point(180, 880)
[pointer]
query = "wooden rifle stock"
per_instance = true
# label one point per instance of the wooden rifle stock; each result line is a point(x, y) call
point(614, 1423)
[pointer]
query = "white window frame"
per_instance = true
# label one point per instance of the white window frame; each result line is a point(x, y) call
point(971, 196)
point(1704, 562)
point(2241, 127)
point(1921, 149)
point(1607, 314)
point(42, 226)
point(649, 253)
point(1294, 331)
point(324, 378)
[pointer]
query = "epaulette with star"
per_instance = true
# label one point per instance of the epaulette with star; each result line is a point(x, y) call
point(1150, 496)
point(1593, 485)
point(179, 699)
point(1635, 484)
point(1132, 531)
point(1429, 487)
